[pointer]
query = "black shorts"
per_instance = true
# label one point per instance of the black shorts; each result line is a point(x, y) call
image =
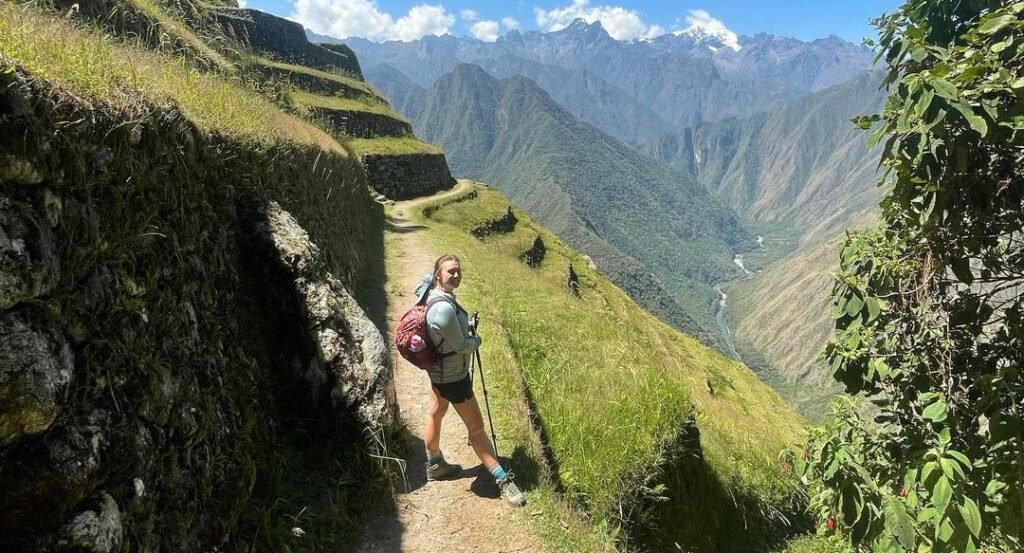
point(455, 392)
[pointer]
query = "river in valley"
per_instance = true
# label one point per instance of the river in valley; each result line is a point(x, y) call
point(723, 325)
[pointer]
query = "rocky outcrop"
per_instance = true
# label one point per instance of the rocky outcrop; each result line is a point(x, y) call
point(348, 362)
point(35, 374)
point(404, 176)
point(96, 529)
point(353, 62)
point(535, 255)
point(362, 124)
point(500, 225)
point(29, 262)
point(43, 479)
point(281, 39)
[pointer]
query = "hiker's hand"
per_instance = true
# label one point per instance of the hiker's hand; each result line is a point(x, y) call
point(474, 321)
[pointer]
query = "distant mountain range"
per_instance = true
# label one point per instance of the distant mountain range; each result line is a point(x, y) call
point(808, 66)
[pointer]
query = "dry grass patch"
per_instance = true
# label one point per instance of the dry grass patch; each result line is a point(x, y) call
point(175, 28)
point(86, 63)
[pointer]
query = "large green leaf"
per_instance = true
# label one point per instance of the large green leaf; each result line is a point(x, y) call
point(941, 494)
point(971, 515)
point(945, 89)
point(936, 412)
point(995, 24)
point(975, 121)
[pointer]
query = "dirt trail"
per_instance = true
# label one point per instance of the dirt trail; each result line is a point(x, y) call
point(463, 514)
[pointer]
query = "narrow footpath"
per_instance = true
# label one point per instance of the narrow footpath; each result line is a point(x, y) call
point(464, 514)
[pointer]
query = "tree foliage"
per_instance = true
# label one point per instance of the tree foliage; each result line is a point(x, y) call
point(928, 305)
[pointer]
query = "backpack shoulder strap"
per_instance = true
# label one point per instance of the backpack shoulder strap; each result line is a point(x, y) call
point(432, 302)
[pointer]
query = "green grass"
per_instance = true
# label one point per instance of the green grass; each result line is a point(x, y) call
point(82, 61)
point(178, 30)
point(342, 78)
point(306, 99)
point(392, 145)
point(611, 383)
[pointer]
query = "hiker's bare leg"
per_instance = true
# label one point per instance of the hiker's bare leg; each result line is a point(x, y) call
point(436, 408)
point(469, 410)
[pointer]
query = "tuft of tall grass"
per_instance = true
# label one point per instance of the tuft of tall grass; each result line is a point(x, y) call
point(343, 78)
point(303, 98)
point(392, 146)
point(179, 31)
point(85, 63)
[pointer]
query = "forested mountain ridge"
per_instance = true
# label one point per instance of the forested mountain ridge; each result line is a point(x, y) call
point(804, 164)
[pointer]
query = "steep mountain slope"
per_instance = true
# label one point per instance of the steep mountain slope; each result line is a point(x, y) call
point(587, 97)
point(802, 176)
point(594, 191)
point(802, 165)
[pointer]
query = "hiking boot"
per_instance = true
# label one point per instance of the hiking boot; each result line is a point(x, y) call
point(510, 492)
point(441, 470)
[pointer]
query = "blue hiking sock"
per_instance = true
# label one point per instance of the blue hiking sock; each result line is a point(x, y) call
point(434, 458)
point(498, 472)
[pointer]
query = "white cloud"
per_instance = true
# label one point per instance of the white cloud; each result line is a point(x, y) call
point(362, 18)
point(242, 3)
point(469, 15)
point(701, 22)
point(509, 23)
point(423, 20)
point(485, 30)
point(621, 23)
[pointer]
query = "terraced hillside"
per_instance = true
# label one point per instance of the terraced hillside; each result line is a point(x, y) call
point(325, 82)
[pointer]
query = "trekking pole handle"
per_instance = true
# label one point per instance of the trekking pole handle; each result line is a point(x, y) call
point(474, 321)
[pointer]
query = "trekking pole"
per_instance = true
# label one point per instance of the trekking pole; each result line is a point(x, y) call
point(487, 404)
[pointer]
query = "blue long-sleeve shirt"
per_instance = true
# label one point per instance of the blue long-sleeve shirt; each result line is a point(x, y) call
point(449, 327)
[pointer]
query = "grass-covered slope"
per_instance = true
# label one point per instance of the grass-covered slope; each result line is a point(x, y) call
point(624, 401)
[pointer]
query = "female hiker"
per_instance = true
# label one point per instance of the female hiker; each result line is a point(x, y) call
point(453, 333)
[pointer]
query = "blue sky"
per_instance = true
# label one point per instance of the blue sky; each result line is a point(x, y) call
point(625, 19)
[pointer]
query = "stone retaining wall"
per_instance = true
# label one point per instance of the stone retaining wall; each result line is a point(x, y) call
point(282, 39)
point(316, 85)
point(342, 49)
point(405, 176)
point(362, 124)
point(147, 366)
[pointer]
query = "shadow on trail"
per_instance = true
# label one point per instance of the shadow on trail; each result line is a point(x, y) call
point(400, 226)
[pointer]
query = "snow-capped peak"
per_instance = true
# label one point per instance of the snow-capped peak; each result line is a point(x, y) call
point(705, 29)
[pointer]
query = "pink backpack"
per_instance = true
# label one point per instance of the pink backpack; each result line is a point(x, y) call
point(412, 337)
